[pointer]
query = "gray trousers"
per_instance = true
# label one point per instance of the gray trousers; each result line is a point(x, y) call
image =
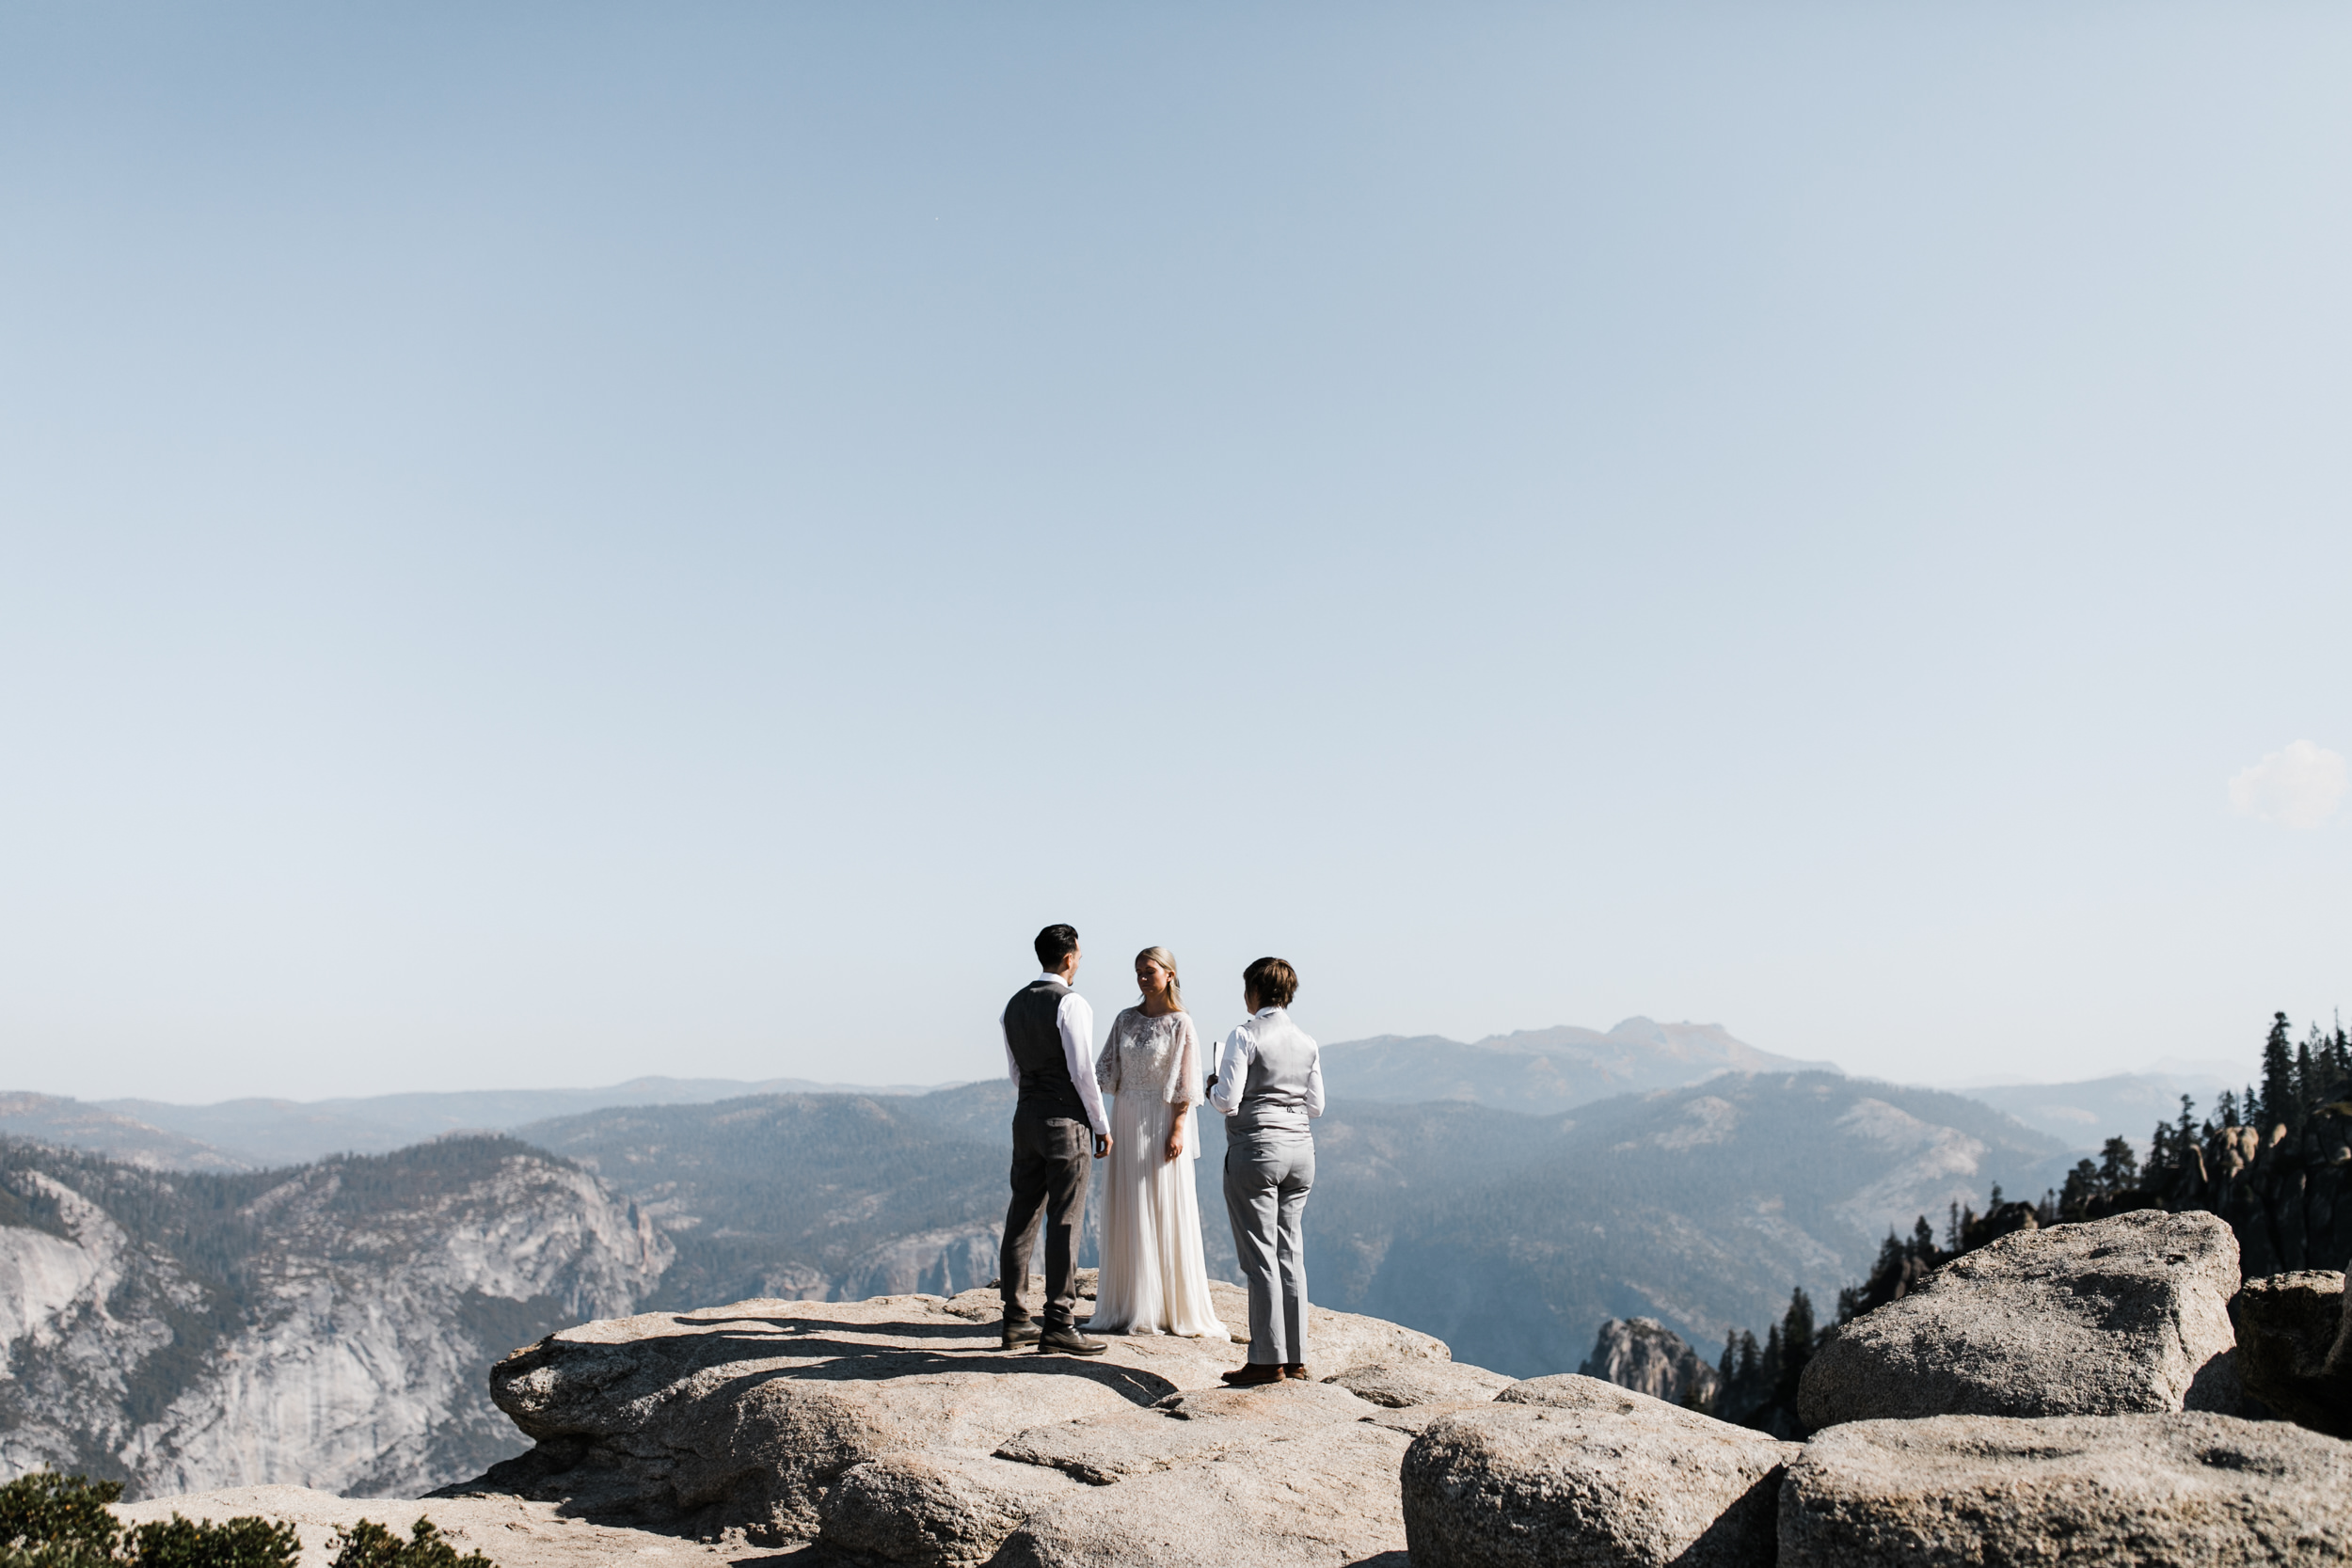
point(1266, 1181)
point(1051, 1156)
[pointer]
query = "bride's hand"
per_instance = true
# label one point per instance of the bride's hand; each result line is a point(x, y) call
point(1175, 1141)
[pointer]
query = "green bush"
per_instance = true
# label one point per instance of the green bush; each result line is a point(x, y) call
point(44, 1513)
point(49, 1520)
point(55, 1554)
point(246, 1541)
point(369, 1544)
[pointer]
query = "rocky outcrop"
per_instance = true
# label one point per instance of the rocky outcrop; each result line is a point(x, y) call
point(1646, 1356)
point(2189, 1489)
point(1404, 1385)
point(897, 1430)
point(2116, 1316)
point(1572, 1472)
point(2295, 1347)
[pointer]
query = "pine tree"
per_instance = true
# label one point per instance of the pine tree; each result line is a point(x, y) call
point(2278, 1098)
point(1923, 1240)
point(2307, 1085)
point(1797, 1338)
point(2119, 1167)
point(2082, 1184)
point(2226, 1107)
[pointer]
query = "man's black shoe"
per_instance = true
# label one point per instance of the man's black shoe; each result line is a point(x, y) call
point(1022, 1333)
point(1068, 1341)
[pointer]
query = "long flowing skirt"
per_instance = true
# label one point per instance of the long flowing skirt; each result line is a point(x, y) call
point(1155, 1279)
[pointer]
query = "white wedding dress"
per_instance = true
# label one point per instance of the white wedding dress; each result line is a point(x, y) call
point(1155, 1279)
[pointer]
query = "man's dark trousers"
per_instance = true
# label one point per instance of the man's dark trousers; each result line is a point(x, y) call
point(1052, 1157)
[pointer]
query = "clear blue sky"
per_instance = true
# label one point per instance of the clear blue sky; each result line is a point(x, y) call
point(541, 544)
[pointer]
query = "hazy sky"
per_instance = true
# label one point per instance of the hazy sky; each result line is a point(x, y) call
point(542, 544)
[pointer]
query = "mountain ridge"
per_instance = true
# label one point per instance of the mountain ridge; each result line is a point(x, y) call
point(1546, 1070)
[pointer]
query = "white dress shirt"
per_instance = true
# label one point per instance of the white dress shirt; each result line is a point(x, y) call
point(1293, 1092)
point(1074, 1019)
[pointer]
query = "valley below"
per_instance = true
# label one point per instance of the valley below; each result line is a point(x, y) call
point(182, 1324)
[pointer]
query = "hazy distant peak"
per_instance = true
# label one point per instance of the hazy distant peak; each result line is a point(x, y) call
point(77, 1124)
point(1707, 1043)
point(1544, 1071)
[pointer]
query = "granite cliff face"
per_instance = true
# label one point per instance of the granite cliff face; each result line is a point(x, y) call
point(327, 1326)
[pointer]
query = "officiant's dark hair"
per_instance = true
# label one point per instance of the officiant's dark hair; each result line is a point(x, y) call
point(1054, 943)
point(1275, 982)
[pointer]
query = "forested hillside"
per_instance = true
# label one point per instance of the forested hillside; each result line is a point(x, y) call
point(833, 1196)
point(1511, 1236)
point(329, 1324)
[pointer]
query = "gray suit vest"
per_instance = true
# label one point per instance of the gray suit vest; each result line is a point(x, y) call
point(1032, 1030)
point(1274, 1103)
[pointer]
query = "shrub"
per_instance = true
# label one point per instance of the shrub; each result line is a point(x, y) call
point(369, 1544)
point(246, 1541)
point(51, 1519)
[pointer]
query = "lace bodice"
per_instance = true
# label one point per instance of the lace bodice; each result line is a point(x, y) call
point(1152, 1055)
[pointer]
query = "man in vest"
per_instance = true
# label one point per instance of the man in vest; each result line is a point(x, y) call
point(1049, 1050)
point(1269, 1085)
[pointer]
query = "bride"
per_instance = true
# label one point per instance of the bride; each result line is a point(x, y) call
point(1153, 1278)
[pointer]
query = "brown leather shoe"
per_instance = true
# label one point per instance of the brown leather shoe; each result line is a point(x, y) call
point(1068, 1341)
point(1251, 1375)
point(1022, 1333)
point(1296, 1372)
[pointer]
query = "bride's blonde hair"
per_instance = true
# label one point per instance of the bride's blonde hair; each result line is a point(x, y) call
point(1167, 961)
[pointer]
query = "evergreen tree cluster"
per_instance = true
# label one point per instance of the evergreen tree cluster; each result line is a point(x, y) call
point(2306, 1085)
point(2302, 1082)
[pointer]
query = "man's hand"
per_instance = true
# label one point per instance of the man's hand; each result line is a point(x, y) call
point(1101, 1146)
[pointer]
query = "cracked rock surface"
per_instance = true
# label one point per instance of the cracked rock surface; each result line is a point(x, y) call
point(1572, 1472)
point(2187, 1489)
point(2122, 1316)
point(895, 1430)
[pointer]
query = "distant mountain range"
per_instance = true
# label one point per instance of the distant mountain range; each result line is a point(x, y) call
point(1511, 1236)
point(1535, 1071)
point(1541, 1071)
point(255, 1134)
point(2086, 1114)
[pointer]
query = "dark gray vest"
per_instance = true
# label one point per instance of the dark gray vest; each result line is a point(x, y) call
point(1033, 1031)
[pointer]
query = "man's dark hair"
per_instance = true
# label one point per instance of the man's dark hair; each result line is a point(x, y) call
point(1054, 943)
point(1275, 982)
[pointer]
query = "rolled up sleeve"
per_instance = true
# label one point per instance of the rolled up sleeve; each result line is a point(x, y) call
point(1232, 1074)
